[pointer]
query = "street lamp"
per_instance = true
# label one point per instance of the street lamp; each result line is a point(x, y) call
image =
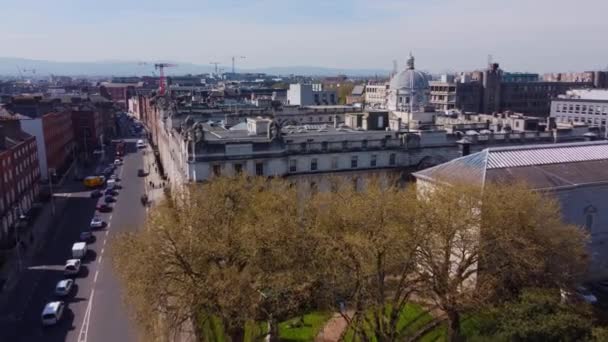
point(18, 240)
point(51, 174)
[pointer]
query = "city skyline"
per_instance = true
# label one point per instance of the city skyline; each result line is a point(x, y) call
point(443, 35)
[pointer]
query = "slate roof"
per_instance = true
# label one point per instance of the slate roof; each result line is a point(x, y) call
point(358, 90)
point(539, 166)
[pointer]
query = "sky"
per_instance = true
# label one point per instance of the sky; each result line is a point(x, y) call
point(443, 35)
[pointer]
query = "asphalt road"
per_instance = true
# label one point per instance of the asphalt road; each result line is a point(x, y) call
point(95, 309)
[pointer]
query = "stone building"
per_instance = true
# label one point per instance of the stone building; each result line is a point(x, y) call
point(576, 173)
point(588, 106)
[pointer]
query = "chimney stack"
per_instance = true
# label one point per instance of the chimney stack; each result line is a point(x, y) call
point(464, 146)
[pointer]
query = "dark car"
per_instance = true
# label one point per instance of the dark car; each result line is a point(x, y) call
point(104, 208)
point(141, 173)
point(96, 194)
point(86, 236)
point(110, 192)
point(109, 199)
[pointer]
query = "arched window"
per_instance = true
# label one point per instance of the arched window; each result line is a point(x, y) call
point(590, 212)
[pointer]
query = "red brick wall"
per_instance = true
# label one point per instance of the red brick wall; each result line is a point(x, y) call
point(58, 138)
point(19, 177)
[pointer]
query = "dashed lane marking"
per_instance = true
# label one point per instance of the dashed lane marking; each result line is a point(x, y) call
point(100, 258)
point(104, 242)
point(102, 250)
point(110, 217)
point(107, 233)
point(96, 274)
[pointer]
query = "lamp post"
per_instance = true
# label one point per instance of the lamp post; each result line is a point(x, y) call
point(51, 174)
point(18, 217)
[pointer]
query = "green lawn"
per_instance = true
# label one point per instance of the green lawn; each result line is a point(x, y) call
point(411, 319)
point(288, 331)
point(292, 330)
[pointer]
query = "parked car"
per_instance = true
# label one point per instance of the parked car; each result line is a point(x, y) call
point(104, 208)
point(64, 287)
point(72, 267)
point(96, 222)
point(96, 194)
point(109, 199)
point(86, 236)
point(141, 144)
point(52, 313)
point(111, 192)
point(117, 162)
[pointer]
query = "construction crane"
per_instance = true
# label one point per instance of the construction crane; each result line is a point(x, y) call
point(233, 60)
point(161, 67)
point(216, 64)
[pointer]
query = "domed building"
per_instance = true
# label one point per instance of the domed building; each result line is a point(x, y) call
point(408, 90)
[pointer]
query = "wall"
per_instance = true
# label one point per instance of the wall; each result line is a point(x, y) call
point(576, 204)
point(34, 127)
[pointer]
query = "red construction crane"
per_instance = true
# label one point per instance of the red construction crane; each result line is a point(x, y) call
point(161, 67)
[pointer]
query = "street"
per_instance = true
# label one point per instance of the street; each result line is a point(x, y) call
point(95, 310)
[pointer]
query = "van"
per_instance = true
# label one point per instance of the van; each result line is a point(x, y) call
point(110, 184)
point(52, 312)
point(79, 250)
point(93, 181)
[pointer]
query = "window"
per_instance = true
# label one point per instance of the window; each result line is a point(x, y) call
point(334, 162)
point(391, 159)
point(354, 161)
point(217, 170)
point(238, 168)
point(259, 169)
point(344, 145)
point(324, 146)
point(293, 166)
point(364, 144)
point(372, 162)
point(303, 146)
point(313, 164)
point(590, 213)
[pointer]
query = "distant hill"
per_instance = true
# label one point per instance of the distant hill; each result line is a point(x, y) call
point(13, 67)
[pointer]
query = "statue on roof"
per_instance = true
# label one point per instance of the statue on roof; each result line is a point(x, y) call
point(410, 62)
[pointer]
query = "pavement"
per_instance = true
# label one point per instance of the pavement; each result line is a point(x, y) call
point(95, 310)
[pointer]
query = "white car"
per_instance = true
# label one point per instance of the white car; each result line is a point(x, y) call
point(52, 313)
point(96, 222)
point(117, 162)
point(72, 267)
point(64, 287)
point(141, 144)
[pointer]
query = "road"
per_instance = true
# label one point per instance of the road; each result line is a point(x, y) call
point(95, 310)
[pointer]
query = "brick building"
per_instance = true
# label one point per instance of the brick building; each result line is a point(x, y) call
point(19, 177)
point(119, 93)
point(88, 128)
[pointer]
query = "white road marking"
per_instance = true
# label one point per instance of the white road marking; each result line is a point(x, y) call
point(102, 250)
point(96, 274)
point(100, 258)
point(104, 242)
point(84, 328)
point(110, 217)
point(107, 231)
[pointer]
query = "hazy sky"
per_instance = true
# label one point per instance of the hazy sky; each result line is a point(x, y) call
point(523, 35)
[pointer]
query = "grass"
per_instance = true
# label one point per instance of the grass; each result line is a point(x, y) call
point(411, 319)
point(212, 329)
point(294, 330)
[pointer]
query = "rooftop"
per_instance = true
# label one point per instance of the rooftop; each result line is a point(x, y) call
point(540, 166)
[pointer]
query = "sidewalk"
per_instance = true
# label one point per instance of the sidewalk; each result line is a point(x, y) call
point(153, 181)
point(34, 236)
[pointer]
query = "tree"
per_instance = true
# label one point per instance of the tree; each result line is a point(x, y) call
point(366, 243)
point(225, 252)
point(481, 243)
point(539, 315)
